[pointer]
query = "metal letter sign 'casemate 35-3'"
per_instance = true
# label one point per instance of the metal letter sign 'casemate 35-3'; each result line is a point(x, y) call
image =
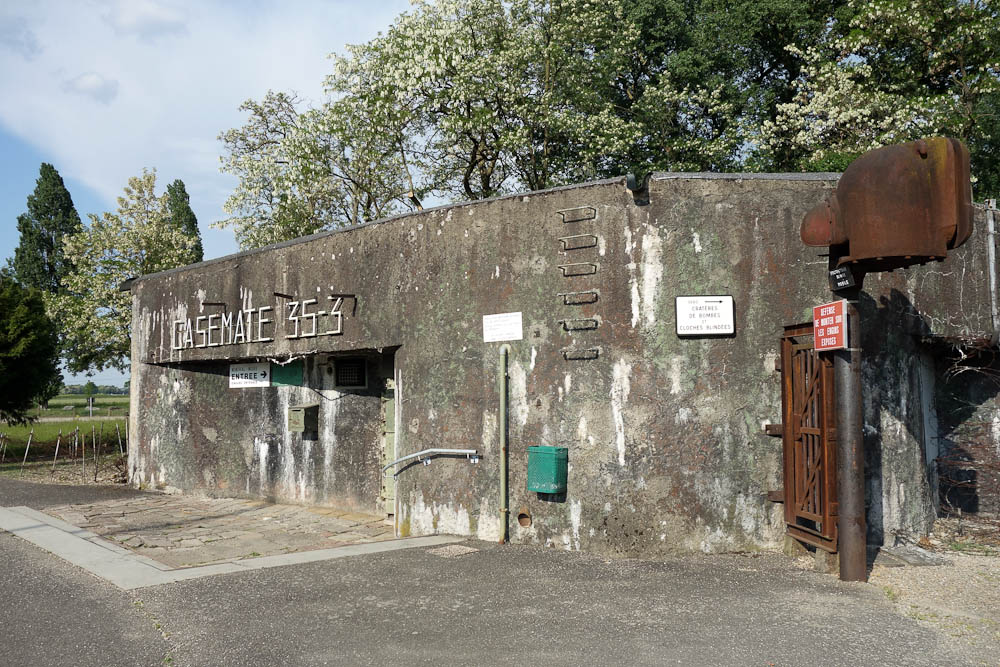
point(894, 207)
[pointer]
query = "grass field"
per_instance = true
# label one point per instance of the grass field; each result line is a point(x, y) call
point(43, 442)
point(75, 405)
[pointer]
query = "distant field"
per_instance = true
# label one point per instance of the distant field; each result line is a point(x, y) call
point(45, 434)
point(75, 405)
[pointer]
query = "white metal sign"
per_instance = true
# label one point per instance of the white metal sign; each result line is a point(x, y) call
point(502, 326)
point(705, 315)
point(242, 376)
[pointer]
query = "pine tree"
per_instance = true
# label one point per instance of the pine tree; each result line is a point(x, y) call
point(183, 218)
point(38, 259)
point(29, 359)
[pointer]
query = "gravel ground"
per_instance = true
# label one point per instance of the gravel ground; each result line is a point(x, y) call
point(961, 599)
point(111, 471)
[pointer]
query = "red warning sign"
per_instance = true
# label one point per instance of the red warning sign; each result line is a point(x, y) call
point(830, 326)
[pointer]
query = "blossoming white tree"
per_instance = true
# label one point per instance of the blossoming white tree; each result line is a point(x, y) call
point(139, 238)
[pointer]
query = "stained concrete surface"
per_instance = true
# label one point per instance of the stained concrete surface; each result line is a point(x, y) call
point(184, 531)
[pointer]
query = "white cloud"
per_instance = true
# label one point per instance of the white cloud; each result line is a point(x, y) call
point(170, 79)
point(92, 84)
point(18, 37)
point(144, 18)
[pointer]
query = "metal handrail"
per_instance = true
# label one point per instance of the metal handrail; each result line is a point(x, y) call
point(469, 453)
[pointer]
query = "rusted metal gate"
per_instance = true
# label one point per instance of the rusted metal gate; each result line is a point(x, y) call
point(809, 439)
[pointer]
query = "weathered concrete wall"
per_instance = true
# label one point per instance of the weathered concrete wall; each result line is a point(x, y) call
point(664, 433)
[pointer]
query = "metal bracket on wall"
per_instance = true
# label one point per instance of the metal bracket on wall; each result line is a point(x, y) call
point(580, 323)
point(578, 269)
point(578, 242)
point(578, 214)
point(584, 354)
point(579, 298)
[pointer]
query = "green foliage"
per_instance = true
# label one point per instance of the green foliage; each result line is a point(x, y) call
point(466, 99)
point(138, 239)
point(39, 260)
point(183, 218)
point(89, 389)
point(304, 172)
point(29, 368)
point(890, 71)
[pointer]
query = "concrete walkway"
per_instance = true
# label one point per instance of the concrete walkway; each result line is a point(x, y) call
point(128, 570)
point(184, 531)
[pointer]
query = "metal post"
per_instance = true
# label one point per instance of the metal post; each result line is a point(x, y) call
point(505, 351)
point(852, 541)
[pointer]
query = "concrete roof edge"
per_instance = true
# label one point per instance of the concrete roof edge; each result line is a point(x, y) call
point(562, 188)
point(749, 176)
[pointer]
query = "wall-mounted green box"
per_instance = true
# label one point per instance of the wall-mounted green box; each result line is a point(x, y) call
point(547, 468)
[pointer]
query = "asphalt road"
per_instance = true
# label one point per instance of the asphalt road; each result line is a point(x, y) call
point(498, 605)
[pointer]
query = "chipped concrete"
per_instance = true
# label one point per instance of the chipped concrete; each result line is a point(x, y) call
point(666, 450)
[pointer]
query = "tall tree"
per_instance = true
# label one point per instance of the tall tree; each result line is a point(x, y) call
point(29, 351)
point(896, 71)
point(183, 218)
point(466, 99)
point(302, 172)
point(138, 239)
point(39, 260)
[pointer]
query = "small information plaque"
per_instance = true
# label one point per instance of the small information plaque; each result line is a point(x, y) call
point(830, 326)
point(705, 315)
point(242, 376)
point(841, 278)
point(501, 327)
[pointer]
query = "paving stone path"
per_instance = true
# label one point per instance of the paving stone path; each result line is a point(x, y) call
point(183, 531)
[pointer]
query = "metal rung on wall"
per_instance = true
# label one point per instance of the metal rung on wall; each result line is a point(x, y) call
point(578, 214)
point(586, 354)
point(578, 242)
point(580, 324)
point(578, 269)
point(579, 298)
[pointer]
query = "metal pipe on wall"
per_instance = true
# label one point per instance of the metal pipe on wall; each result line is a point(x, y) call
point(505, 351)
point(991, 258)
point(851, 527)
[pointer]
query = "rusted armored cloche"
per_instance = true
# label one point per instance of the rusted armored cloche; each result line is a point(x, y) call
point(896, 206)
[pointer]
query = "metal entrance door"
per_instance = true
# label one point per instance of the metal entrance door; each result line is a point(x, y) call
point(809, 439)
point(388, 495)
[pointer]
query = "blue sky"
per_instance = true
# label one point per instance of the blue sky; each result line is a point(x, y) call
point(104, 88)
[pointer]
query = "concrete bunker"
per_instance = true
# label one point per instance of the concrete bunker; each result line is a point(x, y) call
point(665, 428)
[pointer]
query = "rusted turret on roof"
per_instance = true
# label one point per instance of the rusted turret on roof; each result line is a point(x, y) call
point(896, 206)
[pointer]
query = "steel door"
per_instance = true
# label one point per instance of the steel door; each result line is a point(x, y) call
point(808, 439)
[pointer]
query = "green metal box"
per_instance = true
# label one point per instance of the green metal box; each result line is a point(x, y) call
point(547, 468)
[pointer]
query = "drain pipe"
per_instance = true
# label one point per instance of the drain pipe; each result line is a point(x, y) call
point(991, 257)
point(505, 351)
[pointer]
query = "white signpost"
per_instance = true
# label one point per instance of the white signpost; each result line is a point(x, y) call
point(705, 315)
point(501, 327)
point(242, 376)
